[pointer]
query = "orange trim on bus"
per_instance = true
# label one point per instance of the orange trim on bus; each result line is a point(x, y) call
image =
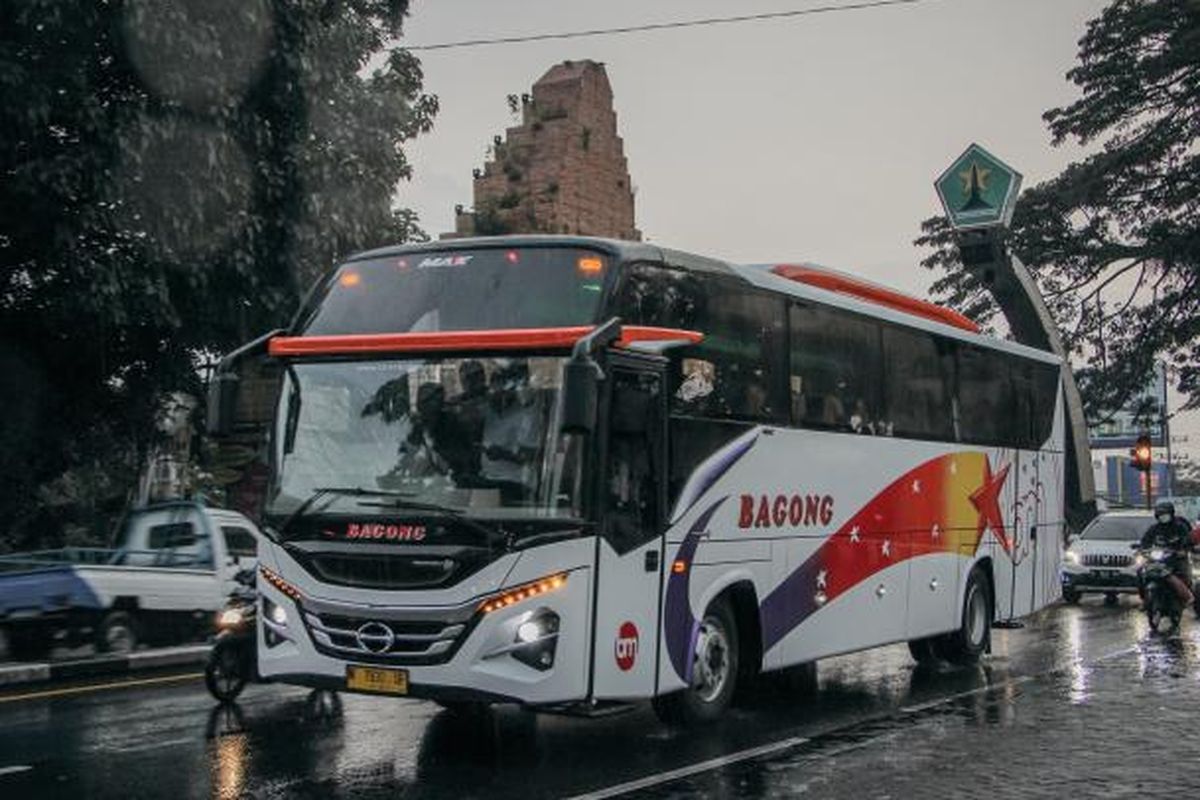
point(443, 341)
point(872, 293)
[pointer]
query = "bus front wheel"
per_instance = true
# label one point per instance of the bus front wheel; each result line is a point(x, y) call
point(714, 672)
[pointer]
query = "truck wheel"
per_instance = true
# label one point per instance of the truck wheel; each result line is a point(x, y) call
point(714, 672)
point(29, 643)
point(965, 645)
point(1071, 596)
point(116, 633)
point(1111, 599)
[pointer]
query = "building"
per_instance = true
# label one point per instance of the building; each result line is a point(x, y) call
point(562, 170)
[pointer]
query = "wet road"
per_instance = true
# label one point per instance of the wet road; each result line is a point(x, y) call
point(1065, 704)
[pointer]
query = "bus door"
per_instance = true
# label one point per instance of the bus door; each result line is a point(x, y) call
point(632, 500)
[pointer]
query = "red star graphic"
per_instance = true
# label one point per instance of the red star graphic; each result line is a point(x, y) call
point(986, 500)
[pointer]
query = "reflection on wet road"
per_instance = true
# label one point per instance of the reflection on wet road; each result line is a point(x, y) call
point(1062, 704)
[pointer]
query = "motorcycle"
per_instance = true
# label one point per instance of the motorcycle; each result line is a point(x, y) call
point(1158, 596)
point(233, 660)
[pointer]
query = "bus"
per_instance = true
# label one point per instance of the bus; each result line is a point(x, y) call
point(570, 472)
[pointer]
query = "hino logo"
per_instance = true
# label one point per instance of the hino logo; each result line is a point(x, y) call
point(375, 637)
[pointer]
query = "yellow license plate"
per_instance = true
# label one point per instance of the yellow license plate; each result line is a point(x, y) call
point(376, 679)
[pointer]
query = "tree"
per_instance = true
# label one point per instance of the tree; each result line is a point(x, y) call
point(172, 176)
point(1114, 241)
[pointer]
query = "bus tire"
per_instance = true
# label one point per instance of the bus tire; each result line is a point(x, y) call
point(116, 633)
point(714, 672)
point(924, 651)
point(965, 645)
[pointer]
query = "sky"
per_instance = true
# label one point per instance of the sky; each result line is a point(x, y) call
point(814, 138)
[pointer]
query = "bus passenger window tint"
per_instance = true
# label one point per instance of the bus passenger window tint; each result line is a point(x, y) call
point(835, 363)
point(985, 397)
point(918, 371)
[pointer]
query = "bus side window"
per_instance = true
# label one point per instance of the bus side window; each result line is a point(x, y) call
point(834, 360)
point(919, 379)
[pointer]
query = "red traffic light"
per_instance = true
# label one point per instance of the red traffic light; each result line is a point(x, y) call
point(1142, 453)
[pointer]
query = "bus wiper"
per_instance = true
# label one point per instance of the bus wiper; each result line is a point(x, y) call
point(401, 501)
point(317, 494)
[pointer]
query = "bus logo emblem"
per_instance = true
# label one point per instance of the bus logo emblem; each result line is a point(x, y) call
point(626, 646)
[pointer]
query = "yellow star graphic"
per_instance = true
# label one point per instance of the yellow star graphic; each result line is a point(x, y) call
point(975, 174)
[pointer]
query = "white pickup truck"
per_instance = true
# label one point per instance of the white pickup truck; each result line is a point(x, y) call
point(171, 572)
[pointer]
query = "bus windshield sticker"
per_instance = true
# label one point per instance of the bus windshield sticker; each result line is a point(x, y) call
point(698, 379)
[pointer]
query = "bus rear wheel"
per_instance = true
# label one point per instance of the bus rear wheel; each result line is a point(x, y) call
point(714, 672)
point(965, 645)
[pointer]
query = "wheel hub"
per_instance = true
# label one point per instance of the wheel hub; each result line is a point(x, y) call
point(711, 669)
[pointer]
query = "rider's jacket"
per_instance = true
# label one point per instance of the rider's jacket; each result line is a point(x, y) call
point(1174, 535)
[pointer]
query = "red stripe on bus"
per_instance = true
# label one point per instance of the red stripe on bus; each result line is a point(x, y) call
point(880, 295)
point(441, 341)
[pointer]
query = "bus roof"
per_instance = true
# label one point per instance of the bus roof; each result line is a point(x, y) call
point(840, 289)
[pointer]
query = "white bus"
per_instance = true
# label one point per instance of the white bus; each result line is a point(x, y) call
point(485, 489)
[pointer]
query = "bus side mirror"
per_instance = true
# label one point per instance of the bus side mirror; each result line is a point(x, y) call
point(222, 403)
point(581, 392)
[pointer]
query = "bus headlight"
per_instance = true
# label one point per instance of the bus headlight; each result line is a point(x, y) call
point(536, 640)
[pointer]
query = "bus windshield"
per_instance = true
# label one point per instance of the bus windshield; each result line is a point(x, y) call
point(532, 287)
point(476, 435)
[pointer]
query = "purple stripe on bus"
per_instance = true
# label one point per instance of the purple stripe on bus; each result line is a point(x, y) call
point(792, 602)
point(712, 470)
point(679, 623)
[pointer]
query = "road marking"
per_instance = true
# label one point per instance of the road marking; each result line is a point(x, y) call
point(684, 772)
point(96, 687)
point(784, 744)
point(14, 770)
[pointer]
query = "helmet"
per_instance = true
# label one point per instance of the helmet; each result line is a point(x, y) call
point(1164, 509)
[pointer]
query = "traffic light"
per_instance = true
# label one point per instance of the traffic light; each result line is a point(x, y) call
point(1141, 453)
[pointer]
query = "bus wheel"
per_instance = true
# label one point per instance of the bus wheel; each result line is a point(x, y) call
point(923, 651)
point(965, 645)
point(714, 672)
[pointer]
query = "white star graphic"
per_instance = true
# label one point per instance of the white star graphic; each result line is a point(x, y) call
point(821, 579)
point(887, 548)
point(916, 487)
point(937, 530)
point(854, 534)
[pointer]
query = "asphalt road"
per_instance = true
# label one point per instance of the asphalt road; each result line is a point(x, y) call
point(1063, 705)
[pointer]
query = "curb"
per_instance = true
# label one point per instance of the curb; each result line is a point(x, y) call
point(17, 674)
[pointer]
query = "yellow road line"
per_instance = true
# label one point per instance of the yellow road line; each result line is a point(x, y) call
point(96, 687)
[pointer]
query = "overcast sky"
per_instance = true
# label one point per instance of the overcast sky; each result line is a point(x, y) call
point(815, 138)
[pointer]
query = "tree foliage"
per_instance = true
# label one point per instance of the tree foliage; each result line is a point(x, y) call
point(1114, 241)
point(172, 176)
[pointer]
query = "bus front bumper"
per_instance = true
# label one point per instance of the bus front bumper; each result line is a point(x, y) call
point(532, 650)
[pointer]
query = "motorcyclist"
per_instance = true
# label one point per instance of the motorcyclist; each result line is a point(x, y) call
point(1173, 534)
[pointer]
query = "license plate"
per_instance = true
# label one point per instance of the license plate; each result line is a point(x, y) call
point(1108, 573)
point(377, 679)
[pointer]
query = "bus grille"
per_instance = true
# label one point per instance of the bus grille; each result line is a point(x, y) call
point(384, 572)
point(385, 641)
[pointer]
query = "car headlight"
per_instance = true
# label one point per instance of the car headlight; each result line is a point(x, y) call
point(230, 618)
point(1071, 557)
point(1139, 560)
point(1158, 554)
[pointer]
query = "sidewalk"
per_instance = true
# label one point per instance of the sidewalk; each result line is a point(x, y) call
point(22, 672)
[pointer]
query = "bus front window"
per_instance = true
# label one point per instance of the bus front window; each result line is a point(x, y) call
point(480, 435)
